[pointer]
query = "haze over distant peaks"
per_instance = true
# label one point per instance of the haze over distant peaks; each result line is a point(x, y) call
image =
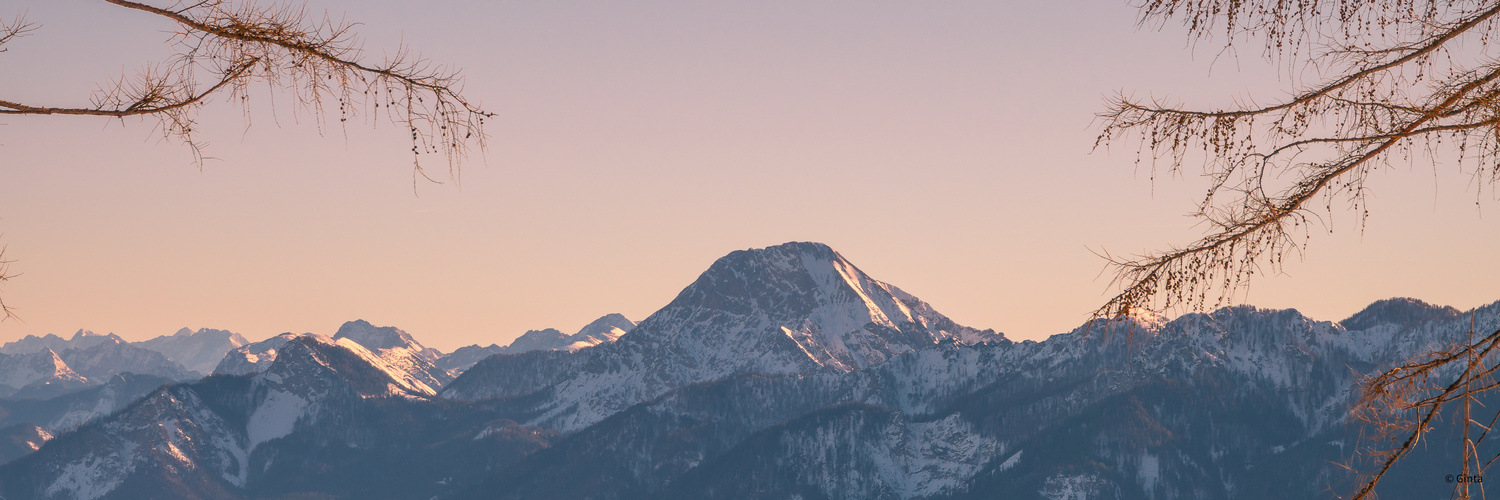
point(780, 372)
point(398, 349)
point(82, 339)
point(199, 351)
point(253, 357)
point(607, 328)
point(384, 337)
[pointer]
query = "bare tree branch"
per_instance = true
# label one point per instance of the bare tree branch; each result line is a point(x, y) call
point(1388, 101)
point(234, 44)
point(5, 311)
point(1409, 78)
point(223, 47)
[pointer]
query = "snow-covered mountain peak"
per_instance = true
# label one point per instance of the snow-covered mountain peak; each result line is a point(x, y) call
point(87, 338)
point(200, 351)
point(838, 316)
point(376, 337)
point(534, 340)
point(51, 361)
point(315, 363)
point(607, 328)
point(254, 357)
point(398, 349)
point(20, 370)
point(82, 339)
point(797, 308)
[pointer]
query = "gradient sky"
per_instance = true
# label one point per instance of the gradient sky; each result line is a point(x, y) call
point(944, 147)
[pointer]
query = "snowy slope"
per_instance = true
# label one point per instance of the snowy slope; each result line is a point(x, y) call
point(21, 370)
point(397, 349)
point(197, 440)
point(113, 356)
point(253, 357)
point(792, 308)
point(199, 351)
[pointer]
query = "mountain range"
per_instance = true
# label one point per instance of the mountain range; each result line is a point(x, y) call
point(782, 372)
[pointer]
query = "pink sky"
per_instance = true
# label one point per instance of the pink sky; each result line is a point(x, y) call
point(942, 147)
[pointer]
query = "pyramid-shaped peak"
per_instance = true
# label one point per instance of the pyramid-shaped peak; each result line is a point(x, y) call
point(376, 337)
point(792, 280)
point(804, 293)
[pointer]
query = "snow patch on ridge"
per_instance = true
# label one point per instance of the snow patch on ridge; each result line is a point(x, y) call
point(91, 477)
point(1009, 462)
point(1072, 487)
point(1148, 472)
point(275, 417)
point(942, 455)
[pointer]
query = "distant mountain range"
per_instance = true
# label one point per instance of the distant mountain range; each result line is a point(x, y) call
point(607, 328)
point(783, 372)
point(44, 367)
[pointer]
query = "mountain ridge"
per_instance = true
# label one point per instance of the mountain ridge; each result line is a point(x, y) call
point(791, 308)
point(779, 372)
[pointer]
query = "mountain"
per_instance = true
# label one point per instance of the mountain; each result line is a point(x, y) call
point(792, 308)
point(380, 338)
point(45, 374)
point(113, 356)
point(37, 372)
point(786, 372)
point(537, 340)
point(325, 416)
point(20, 440)
point(607, 328)
point(198, 351)
point(394, 348)
point(1238, 403)
point(398, 349)
point(39, 368)
point(319, 364)
point(67, 411)
point(1399, 311)
point(253, 357)
point(82, 339)
point(464, 357)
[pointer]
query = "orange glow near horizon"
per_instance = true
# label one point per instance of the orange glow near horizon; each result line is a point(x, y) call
point(945, 149)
